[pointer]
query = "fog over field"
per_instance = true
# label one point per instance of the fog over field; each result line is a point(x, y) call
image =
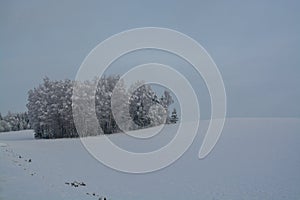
point(142, 100)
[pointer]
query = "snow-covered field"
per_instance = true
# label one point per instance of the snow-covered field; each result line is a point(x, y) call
point(254, 159)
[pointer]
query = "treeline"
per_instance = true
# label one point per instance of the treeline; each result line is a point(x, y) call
point(51, 114)
point(14, 122)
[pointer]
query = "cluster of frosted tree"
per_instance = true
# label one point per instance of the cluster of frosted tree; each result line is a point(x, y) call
point(52, 115)
point(50, 109)
point(14, 122)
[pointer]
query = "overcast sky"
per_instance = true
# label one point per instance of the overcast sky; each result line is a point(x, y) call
point(255, 44)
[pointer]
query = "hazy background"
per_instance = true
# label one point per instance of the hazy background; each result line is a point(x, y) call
point(255, 44)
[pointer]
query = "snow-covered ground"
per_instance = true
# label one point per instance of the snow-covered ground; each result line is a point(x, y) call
point(254, 159)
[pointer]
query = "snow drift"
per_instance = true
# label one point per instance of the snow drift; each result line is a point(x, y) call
point(254, 159)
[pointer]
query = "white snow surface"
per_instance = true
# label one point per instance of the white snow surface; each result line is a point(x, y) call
point(3, 145)
point(254, 159)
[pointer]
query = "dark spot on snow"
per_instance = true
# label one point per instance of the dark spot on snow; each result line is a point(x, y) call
point(82, 184)
point(76, 184)
point(29, 160)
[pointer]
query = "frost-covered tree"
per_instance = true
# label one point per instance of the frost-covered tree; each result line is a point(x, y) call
point(157, 115)
point(120, 107)
point(14, 122)
point(49, 109)
point(139, 104)
point(33, 106)
point(166, 100)
point(146, 109)
point(82, 111)
point(4, 126)
point(103, 104)
point(52, 107)
point(65, 109)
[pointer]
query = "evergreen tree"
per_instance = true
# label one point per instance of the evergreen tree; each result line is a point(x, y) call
point(174, 117)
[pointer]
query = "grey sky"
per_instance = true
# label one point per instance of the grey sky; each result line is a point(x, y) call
point(255, 44)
